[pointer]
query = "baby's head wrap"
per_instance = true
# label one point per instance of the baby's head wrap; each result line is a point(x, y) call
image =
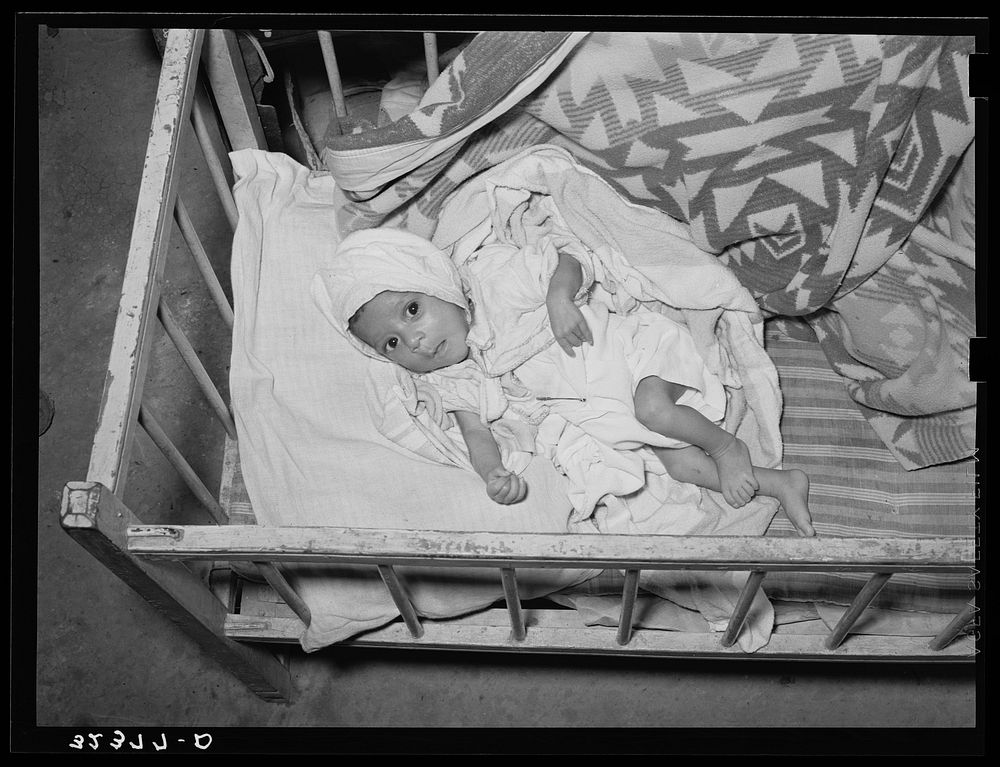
point(371, 261)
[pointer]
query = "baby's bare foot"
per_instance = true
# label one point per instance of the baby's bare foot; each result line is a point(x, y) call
point(795, 501)
point(736, 477)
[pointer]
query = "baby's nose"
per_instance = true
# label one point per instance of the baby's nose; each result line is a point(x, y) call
point(416, 337)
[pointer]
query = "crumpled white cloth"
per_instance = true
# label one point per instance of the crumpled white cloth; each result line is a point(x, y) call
point(642, 256)
point(592, 434)
point(587, 425)
point(634, 257)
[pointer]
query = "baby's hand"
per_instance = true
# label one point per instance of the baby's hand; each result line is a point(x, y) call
point(569, 326)
point(505, 487)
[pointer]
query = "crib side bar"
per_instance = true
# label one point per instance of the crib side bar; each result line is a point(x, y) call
point(508, 579)
point(332, 72)
point(743, 603)
point(227, 75)
point(194, 364)
point(148, 246)
point(630, 592)
point(93, 516)
point(159, 437)
point(431, 56)
point(864, 597)
point(478, 549)
point(400, 598)
point(277, 581)
point(203, 263)
point(210, 151)
point(954, 628)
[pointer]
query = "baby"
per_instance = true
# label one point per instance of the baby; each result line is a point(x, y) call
point(522, 316)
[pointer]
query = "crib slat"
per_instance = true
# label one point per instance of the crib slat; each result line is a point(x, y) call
point(509, 580)
point(277, 581)
point(226, 72)
point(204, 265)
point(129, 361)
point(629, 593)
point(213, 135)
point(312, 157)
point(739, 615)
point(401, 600)
point(193, 361)
point(955, 627)
point(332, 72)
point(868, 592)
point(172, 454)
point(431, 56)
point(215, 166)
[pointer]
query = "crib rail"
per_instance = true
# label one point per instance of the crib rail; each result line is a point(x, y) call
point(505, 552)
point(561, 632)
point(144, 269)
point(326, 545)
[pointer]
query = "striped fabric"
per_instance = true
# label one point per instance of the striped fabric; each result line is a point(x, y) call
point(858, 488)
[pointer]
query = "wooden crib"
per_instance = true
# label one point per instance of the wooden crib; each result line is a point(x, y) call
point(203, 87)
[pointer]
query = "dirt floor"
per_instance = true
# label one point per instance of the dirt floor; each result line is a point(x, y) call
point(105, 659)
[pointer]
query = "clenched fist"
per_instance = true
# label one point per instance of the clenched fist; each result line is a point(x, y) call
point(505, 487)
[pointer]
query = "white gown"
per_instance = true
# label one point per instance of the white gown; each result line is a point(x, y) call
point(582, 406)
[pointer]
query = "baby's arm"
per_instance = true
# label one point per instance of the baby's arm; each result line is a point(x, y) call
point(568, 324)
point(501, 485)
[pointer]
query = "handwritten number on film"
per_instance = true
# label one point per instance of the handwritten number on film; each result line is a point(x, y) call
point(201, 741)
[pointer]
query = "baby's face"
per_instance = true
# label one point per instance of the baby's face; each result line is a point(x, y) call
point(420, 332)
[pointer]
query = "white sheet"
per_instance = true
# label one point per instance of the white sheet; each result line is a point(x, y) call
point(310, 454)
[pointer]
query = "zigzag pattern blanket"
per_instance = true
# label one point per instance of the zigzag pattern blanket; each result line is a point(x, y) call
point(820, 168)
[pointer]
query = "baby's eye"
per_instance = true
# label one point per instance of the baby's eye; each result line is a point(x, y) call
point(412, 308)
point(391, 344)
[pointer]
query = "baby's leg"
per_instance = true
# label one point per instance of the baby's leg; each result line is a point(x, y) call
point(656, 408)
point(790, 487)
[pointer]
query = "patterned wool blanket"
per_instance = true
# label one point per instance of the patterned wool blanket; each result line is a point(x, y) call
point(832, 173)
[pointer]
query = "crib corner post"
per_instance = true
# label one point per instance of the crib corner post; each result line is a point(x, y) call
point(79, 506)
point(96, 519)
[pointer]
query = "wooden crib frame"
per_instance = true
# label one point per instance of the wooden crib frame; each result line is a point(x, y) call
point(151, 558)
